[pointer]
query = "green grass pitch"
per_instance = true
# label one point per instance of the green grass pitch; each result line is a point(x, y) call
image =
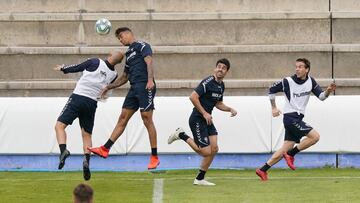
point(303, 185)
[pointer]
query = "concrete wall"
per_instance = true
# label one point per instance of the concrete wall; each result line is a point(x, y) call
point(170, 32)
point(163, 5)
point(262, 38)
point(170, 63)
point(345, 5)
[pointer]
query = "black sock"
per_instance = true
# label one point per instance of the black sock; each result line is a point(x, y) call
point(201, 175)
point(183, 136)
point(87, 157)
point(265, 167)
point(293, 151)
point(62, 147)
point(108, 144)
point(154, 151)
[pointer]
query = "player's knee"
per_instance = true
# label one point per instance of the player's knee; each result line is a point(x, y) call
point(59, 126)
point(214, 149)
point(123, 117)
point(147, 120)
point(316, 137)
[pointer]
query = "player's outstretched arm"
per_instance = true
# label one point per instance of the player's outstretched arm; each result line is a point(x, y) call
point(322, 95)
point(74, 68)
point(222, 107)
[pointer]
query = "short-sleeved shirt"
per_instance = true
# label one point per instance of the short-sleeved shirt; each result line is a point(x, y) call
point(135, 65)
point(210, 92)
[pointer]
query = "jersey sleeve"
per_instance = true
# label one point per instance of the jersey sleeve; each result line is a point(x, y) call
point(145, 50)
point(316, 89)
point(201, 88)
point(277, 87)
point(90, 65)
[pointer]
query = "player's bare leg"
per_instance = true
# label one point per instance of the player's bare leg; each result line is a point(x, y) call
point(180, 134)
point(311, 138)
point(207, 153)
point(86, 163)
point(124, 118)
point(150, 127)
point(60, 132)
point(207, 160)
point(278, 155)
point(103, 151)
point(210, 151)
point(61, 139)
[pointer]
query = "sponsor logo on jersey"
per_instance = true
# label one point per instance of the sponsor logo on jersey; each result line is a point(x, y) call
point(301, 94)
point(131, 55)
point(216, 95)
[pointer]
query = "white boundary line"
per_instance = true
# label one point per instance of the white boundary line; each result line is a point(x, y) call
point(158, 190)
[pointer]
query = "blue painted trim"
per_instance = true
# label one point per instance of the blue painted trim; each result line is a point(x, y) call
point(138, 162)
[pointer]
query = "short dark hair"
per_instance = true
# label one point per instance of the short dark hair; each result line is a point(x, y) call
point(83, 193)
point(120, 30)
point(305, 61)
point(224, 61)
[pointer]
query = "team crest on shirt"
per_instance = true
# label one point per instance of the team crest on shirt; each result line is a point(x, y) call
point(103, 73)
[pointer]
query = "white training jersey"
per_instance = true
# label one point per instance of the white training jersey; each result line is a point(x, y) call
point(91, 83)
point(299, 96)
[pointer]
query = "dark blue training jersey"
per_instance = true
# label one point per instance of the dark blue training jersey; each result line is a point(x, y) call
point(135, 65)
point(210, 92)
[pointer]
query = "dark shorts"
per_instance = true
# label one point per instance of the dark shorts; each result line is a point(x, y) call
point(201, 131)
point(80, 107)
point(139, 97)
point(296, 130)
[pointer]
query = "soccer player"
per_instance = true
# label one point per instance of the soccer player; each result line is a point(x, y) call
point(297, 89)
point(82, 104)
point(207, 95)
point(139, 71)
point(83, 194)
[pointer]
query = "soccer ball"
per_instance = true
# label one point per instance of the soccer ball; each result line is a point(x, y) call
point(102, 26)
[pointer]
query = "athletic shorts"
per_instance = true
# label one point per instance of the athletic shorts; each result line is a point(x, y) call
point(201, 131)
point(296, 130)
point(80, 107)
point(139, 97)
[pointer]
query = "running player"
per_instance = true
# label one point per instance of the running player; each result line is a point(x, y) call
point(297, 89)
point(207, 95)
